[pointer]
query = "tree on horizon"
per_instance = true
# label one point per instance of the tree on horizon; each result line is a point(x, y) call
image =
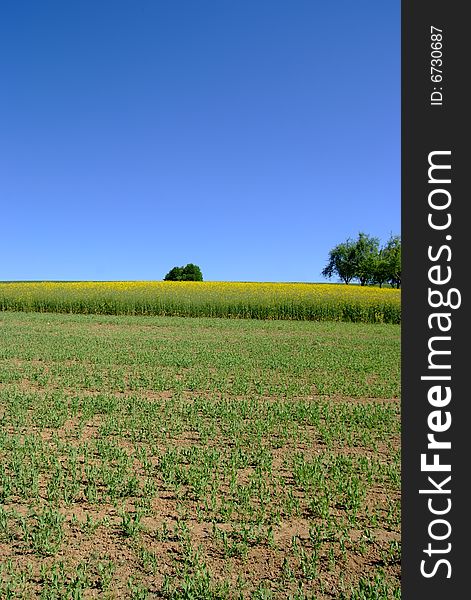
point(189, 272)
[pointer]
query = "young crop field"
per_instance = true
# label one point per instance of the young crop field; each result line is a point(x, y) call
point(204, 458)
point(299, 301)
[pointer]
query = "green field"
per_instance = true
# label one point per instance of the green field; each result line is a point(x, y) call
point(167, 457)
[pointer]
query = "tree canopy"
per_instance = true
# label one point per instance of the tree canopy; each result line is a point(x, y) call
point(341, 262)
point(189, 272)
point(365, 261)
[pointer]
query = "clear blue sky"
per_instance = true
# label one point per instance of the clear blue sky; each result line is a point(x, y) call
point(246, 136)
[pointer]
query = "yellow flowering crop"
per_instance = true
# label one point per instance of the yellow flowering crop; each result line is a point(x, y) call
point(305, 301)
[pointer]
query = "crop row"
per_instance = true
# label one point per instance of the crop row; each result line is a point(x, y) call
point(217, 459)
point(291, 301)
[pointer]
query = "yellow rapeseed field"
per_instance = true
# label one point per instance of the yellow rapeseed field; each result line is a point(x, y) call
point(299, 301)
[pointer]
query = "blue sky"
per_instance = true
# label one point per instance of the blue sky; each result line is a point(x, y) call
point(246, 136)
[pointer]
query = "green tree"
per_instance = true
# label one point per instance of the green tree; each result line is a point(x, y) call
point(174, 274)
point(366, 258)
point(189, 272)
point(192, 272)
point(341, 262)
point(381, 268)
point(393, 257)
